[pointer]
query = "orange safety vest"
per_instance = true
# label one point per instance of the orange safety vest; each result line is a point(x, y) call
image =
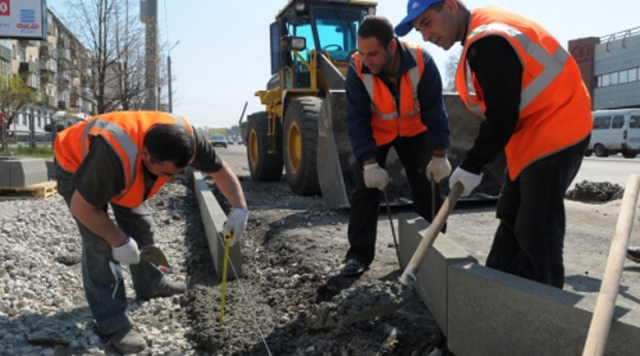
point(387, 121)
point(125, 132)
point(555, 106)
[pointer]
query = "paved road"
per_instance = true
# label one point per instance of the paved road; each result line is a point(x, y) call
point(614, 169)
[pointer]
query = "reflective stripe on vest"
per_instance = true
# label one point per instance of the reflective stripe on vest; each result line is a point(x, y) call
point(555, 107)
point(125, 133)
point(414, 77)
point(552, 64)
point(125, 141)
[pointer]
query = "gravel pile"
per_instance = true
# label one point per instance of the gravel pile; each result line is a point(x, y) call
point(43, 310)
point(595, 192)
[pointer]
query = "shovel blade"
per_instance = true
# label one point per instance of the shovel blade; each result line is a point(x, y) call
point(373, 313)
point(153, 255)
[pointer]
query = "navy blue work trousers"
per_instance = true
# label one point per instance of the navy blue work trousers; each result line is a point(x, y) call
point(365, 202)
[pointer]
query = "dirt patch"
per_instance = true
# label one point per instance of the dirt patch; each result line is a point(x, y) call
point(293, 250)
point(595, 192)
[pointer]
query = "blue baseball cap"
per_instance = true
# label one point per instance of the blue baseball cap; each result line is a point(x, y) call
point(414, 9)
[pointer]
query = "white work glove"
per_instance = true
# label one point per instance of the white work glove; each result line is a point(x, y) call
point(438, 168)
point(468, 180)
point(236, 223)
point(127, 253)
point(375, 176)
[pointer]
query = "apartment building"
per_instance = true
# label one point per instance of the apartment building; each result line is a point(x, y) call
point(53, 70)
point(610, 67)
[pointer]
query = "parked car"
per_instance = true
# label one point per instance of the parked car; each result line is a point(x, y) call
point(230, 142)
point(615, 131)
point(219, 141)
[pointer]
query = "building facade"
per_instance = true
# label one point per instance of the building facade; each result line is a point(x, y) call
point(53, 69)
point(610, 67)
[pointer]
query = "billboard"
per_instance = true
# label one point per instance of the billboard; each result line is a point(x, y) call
point(23, 19)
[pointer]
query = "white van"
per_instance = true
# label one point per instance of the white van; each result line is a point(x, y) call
point(615, 131)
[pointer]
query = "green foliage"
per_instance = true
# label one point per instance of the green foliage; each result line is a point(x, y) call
point(43, 151)
point(15, 95)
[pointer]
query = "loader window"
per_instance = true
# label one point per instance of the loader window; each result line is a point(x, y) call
point(337, 31)
point(275, 47)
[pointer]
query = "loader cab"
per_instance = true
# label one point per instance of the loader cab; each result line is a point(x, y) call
point(327, 26)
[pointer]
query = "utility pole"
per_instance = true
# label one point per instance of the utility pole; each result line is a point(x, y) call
point(149, 16)
point(169, 73)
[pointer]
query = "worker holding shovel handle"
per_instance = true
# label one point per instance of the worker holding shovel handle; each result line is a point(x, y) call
point(535, 107)
point(393, 99)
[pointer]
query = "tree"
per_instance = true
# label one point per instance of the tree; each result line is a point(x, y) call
point(113, 38)
point(130, 70)
point(15, 95)
point(450, 69)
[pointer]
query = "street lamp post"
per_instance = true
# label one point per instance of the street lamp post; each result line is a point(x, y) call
point(169, 73)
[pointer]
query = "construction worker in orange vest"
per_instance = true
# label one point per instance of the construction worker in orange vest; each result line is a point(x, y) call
point(122, 159)
point(394, 99)
point(529, 90)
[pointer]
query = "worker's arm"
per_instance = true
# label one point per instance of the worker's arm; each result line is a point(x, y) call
point(499, 72)
point(96, 220)
point(432, 109)
point(97, 180)
point(207, 160)
point(230, 186)
point(358, 118)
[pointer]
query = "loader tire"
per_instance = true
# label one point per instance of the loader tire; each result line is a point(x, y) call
point(301, 145)
point(265, 166)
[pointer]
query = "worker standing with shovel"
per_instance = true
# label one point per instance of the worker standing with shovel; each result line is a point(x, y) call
point(536, 108)
point(122, 159)
point(394, 99)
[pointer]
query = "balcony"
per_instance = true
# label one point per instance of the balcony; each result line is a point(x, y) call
point(5, 53)
point(48, 66)
point(28, 67)
point(64, 54)
point(29, 43)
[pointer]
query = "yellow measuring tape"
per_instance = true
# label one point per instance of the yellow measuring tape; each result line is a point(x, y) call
point(225, 264)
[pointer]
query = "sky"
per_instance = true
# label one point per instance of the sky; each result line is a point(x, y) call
point(222, 58)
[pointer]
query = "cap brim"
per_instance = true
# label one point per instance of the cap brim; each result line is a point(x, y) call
point(405, 26)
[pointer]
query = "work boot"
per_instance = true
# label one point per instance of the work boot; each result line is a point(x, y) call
point(128, 341)
point(172, 288)
point(633, 253)
point(353, 267)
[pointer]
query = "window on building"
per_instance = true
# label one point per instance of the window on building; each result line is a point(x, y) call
point(24, 119)
point(599, 81)
point(614, 78)
point(624, 76)
point(618, 122)
point(601, 122)
point(633, 74)
point(39, 119)
point(606, 80)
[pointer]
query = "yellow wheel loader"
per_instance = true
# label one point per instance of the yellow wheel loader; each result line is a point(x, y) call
point(303, 128)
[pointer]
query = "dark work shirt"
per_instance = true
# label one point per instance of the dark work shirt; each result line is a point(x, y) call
point(100, 176)
point(499, 72)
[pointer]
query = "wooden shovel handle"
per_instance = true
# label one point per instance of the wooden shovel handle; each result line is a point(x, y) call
point(430, 235)
point(602, 314)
